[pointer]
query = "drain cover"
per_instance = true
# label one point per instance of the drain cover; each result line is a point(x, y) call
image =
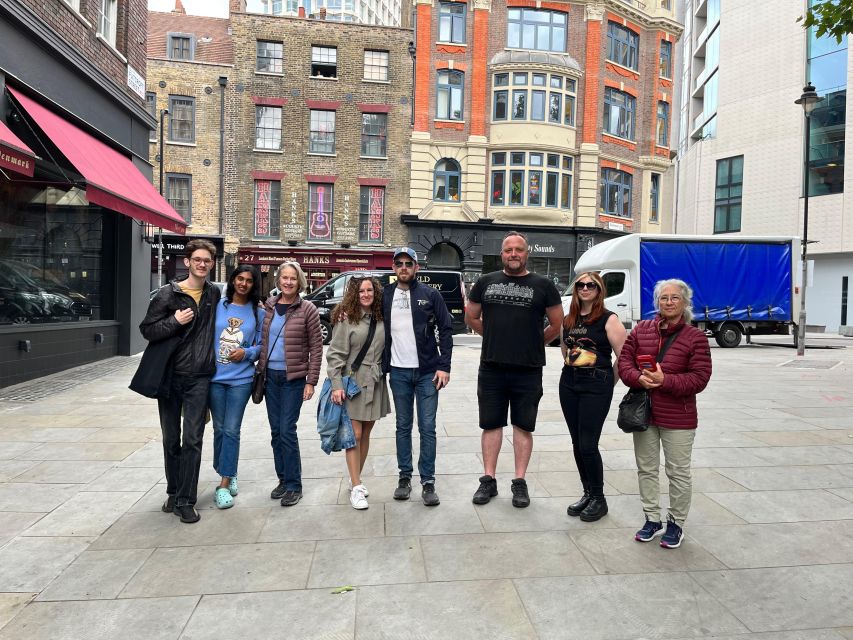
point(811, 364)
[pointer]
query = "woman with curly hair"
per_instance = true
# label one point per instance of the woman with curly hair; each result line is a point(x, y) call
point(352, 320)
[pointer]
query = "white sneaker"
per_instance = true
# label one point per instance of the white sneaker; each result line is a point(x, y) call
point(357, 497)
point(363, 486)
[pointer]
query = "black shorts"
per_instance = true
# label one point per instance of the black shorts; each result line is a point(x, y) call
point(518, 389)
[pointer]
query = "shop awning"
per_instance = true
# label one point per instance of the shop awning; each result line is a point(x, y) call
point(112, 181)
point(14, 154)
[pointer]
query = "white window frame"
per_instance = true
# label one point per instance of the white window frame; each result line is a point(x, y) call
point(107, 17)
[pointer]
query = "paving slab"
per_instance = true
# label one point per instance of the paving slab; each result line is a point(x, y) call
point(11, 604)
point(784, 598)
point(140, 479)
point(85, 514)
point(472, 610)
point(623, 607)
point(10, 450)
point(62, 471)
point(96, 575)
point(368, 561)
point(226, 568)
point(306, 522)
point(29, 433)
point(778, 544)
point(785, 506)
point(11, 524)
point(147, 531)
point(101, 620)
point(30, 564)
point(413, 518)
point(786, 477)
point(612, 551)
point(34, 498)
point(502, 555)
point(83, 452)
point(307, 615)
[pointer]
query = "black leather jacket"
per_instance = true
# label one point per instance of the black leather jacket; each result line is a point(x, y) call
point(194, 355)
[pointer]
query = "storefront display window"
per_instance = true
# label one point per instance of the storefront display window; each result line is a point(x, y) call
point(52, 257)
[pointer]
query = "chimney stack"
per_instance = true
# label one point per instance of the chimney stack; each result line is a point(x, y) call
point(300, 11)
point(322, 13)
point(179, 7)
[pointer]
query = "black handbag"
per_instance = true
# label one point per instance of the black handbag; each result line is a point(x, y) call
point(259, 379)
point(635, 409)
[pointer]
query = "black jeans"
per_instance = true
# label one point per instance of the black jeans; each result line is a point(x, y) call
point(187, 395)
point(585, 396)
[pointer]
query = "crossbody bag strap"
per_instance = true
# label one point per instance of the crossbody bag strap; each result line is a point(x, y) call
point(666, 345)
point(277, 336)
point(371, 331)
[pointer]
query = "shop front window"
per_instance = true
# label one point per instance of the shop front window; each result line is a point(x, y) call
point(52, 256)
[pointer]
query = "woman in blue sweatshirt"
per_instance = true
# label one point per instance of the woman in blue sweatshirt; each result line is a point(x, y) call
point(237, 341)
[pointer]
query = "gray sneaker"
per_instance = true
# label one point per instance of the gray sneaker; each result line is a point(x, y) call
point(429, 496)
point(404, 489)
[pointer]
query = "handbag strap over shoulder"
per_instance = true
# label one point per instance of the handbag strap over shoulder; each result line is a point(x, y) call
point(371, 331)
point(666, 345)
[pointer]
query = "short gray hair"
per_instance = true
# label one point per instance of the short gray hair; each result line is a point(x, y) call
point(686, 295)
point(301, 280)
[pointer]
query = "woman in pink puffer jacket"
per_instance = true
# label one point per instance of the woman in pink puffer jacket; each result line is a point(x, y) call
point(672, 386)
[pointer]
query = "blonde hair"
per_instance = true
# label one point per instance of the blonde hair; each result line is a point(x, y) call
point(301, 280)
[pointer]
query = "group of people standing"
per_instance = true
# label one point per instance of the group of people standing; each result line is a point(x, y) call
point(403, 333)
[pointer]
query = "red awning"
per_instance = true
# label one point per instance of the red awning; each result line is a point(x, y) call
point(112, 181)
point(14, 154)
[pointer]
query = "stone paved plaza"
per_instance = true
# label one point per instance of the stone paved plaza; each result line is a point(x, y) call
point(85, 552)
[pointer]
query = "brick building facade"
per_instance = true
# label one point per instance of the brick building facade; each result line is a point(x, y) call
point(75, 183)
point(190, 60)
point(321, 115)
point(548, 117)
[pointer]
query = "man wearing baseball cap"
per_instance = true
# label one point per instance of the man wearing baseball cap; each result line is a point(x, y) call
point(418, 367)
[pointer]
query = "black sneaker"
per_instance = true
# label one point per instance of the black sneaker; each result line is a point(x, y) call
point(290, 498)
point(169, 505)
point(520, 497)
point(187, 513)
point(404, 488)
point(278, 492)
point(429, 496)
point(488, 490)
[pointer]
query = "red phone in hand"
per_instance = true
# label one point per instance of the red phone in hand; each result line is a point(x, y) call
point(647, 363)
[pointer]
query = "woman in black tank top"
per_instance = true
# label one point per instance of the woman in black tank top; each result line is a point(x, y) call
point(591, 335)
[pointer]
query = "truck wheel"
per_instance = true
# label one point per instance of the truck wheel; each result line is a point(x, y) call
point(728, 336)
point(326, 331)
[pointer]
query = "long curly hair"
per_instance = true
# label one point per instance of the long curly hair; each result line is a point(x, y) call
point(574, 313)
point(349, 308)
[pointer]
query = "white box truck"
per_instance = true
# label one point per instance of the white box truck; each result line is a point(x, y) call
point(742, 285)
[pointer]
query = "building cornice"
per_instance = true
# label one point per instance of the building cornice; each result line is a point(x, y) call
point(41, 31)
point(636, 14)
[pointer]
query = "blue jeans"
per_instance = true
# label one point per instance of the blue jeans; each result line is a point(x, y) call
point(284, 402)
point(406, 386)
point(227, 405)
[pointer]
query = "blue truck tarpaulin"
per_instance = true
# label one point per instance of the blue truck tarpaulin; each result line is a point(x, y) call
point(730, 280)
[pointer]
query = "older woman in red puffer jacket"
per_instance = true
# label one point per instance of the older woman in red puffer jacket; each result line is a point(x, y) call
point(673, 385)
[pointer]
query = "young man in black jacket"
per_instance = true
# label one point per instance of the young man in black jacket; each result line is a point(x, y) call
point(185, 308)
point(418, 367)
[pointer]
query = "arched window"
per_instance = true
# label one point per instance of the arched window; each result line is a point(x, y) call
point(447, 179)
point(444, 256)
point(450, 89)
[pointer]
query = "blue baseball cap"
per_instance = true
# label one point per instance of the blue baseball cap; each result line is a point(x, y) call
point(408, 251)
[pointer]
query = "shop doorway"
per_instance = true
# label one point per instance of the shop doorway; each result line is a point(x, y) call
point(444, 256)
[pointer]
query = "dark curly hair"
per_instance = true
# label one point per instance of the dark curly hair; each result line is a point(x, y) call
point(254, 297)
point(350, 309)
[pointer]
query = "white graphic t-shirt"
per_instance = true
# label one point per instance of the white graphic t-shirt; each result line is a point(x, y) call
point(404, 349)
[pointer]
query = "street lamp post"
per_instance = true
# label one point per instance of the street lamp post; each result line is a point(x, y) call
point(808, 101)
point(413, 52)
point(163, 114)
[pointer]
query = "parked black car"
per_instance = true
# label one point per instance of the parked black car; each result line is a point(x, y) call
point(26, 298)
point(448, 283)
